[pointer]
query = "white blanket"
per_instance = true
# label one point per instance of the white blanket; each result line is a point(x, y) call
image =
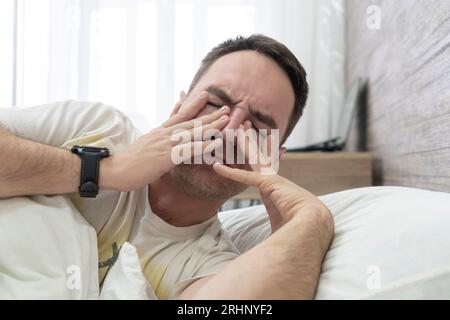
point(48, 250)
point(390, 243)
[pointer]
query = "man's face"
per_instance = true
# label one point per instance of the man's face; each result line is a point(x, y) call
point(256, 89)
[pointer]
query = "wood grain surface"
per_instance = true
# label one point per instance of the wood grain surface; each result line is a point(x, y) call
point(323, 173)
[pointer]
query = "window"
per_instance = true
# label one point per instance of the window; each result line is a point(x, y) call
point(138, 54)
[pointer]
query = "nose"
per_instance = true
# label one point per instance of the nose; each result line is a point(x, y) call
point(238, 116)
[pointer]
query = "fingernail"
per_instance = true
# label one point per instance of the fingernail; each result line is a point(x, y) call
point(224, 109)
point(203, 94)
point(223, 118)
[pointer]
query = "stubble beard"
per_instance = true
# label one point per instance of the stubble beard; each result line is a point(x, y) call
point(201, 182)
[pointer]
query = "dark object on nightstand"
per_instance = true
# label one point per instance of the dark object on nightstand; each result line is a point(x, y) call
point(340, 140)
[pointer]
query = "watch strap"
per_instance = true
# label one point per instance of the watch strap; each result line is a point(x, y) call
point(90, 169)
point(90, 165)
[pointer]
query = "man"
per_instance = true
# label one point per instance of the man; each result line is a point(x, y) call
point(169, 211)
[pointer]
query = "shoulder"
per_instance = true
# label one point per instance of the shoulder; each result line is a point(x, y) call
point(98, 124)
point(92, 111)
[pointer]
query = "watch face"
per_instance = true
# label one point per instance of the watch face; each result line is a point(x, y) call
point(92, 149)
point(77, 149)
point(104, 152)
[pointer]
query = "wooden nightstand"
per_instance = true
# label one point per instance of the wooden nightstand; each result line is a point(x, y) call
point(323, 173)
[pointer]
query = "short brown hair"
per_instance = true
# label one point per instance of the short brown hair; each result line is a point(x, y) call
point(277, 52)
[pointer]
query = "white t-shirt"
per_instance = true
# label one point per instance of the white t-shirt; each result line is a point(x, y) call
point(171, 257)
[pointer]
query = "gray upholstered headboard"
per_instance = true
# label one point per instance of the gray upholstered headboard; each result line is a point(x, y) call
point(407, 65)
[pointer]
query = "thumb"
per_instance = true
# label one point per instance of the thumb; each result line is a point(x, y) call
point(178, 105)
point(249, 178)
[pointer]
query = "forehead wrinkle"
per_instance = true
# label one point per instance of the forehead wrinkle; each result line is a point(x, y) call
point(222, 95)
point(225, 97)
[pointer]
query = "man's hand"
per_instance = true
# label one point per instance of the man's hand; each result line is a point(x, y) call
point(150, 157)
point(282, 198)
point(286, 265)
point(29, 167)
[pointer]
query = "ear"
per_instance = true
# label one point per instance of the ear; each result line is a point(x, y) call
point(282, 151)
point(178, 105)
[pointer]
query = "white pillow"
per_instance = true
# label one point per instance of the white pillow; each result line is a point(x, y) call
point(390, 243)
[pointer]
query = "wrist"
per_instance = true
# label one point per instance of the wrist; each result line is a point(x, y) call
point(107, 177)
point(320, 220)
point(74, 168)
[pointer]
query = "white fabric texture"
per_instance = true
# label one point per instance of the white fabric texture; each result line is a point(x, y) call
point(171, 257)
point(125, 280)
point(390, 243)
point(48, 251)
point(138, 54)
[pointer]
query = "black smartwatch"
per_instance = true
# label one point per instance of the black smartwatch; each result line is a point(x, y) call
point(90, 169)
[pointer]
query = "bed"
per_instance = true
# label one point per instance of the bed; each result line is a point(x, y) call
point(392, 240)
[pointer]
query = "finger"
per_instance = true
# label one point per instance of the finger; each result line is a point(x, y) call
point(204, 149)
point(186, 151)
point(271, 154)
point(244, 142)
point(210, 130)
point(254, 143)
point(247, 143)
point(206, 119)
point(176, 109)
point(178, 104)
point(188, 110)
point(249, 178)
point(242, 146)
point(200, 133)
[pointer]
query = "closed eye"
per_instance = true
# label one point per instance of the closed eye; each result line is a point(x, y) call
point(218, 106)
point(214, 105)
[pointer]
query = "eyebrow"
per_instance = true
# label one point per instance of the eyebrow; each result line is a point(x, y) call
point(222, 95)
point(225, 97)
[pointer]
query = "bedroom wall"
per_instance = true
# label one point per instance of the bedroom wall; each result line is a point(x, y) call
point(406, 120)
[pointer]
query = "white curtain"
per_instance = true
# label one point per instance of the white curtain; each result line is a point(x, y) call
point(138, 54)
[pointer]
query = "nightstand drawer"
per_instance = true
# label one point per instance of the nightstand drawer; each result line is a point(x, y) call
point(323, 173)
